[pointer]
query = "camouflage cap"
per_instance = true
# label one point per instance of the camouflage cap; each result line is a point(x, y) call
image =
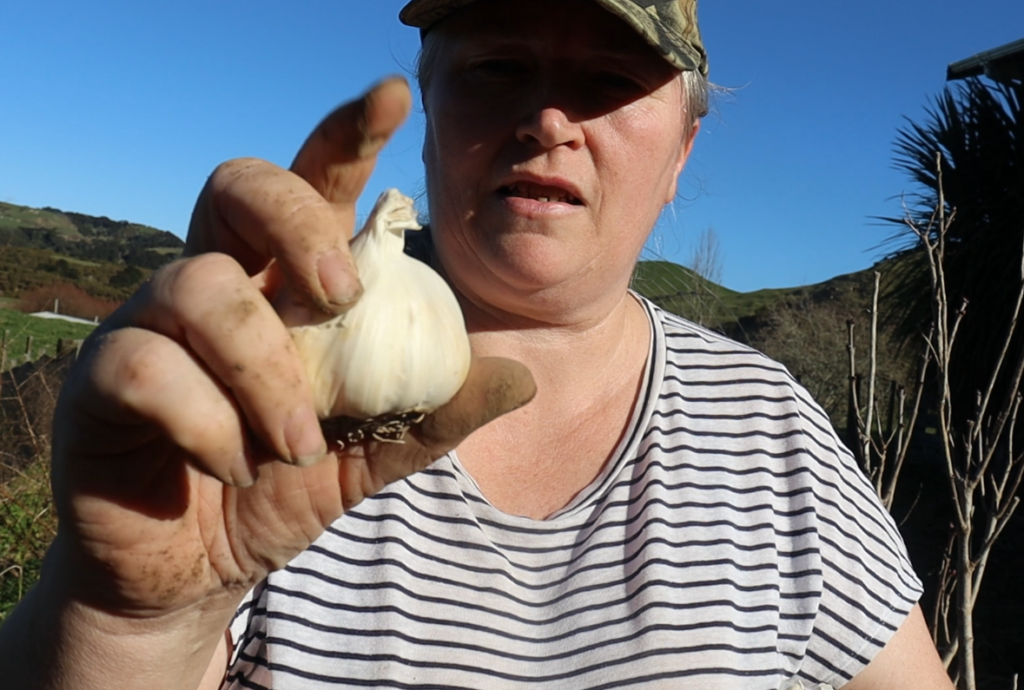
point(670, 26)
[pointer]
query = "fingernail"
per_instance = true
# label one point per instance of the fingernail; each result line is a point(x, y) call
point(303, 437)
point(338, 276)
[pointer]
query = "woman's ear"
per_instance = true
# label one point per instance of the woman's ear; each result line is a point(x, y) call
point(685, 147)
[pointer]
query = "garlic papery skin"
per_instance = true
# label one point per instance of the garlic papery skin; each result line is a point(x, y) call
point(403, 346)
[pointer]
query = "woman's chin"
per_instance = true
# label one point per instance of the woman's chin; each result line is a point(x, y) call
point(534, 262)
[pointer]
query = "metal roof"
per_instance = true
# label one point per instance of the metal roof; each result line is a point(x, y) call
point(1005, 63)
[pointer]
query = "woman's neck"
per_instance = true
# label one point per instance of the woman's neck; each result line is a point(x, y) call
point(563, 352)
point(534, 460)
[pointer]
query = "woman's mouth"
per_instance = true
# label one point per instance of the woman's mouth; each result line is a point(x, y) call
point(538, 192)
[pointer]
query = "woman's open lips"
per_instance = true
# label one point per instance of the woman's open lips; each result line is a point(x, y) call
point(539, 192)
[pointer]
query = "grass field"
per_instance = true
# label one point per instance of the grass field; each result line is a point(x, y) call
point(16, 329)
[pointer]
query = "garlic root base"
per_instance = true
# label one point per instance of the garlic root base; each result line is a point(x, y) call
point(386, 428)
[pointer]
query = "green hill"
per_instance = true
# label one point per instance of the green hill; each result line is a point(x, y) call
point(681, 291)
point(89, 238)
point(741, 314)
point(89, 261)
point(90, 264)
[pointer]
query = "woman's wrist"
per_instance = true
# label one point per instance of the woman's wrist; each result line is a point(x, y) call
point(55, 640)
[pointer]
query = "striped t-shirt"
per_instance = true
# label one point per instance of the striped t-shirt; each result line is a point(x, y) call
point(730, 542)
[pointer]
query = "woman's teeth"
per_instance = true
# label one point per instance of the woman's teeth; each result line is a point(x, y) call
point(540, 195)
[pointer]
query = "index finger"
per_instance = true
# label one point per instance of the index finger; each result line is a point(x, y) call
point(338, 157)
point(302, 218)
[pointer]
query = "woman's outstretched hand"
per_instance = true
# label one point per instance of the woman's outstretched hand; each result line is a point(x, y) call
point(187, 459)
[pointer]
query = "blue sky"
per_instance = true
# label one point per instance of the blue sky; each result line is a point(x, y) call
point(123, 108)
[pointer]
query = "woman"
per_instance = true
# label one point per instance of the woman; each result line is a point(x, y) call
point(669, 510)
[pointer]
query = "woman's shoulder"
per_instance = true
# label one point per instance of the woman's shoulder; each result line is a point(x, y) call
point(707, 388)
point(697, 347)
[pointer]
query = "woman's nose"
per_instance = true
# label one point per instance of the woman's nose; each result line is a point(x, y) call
point(550, 126)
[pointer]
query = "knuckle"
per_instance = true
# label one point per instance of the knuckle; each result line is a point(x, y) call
point(274, 210)
point(206, 295)
point(200, 279)
point(139, 366)
point(309, 221)
point(213, 295)
point(228, 173)
point(143, 373)
point(210, 266)
point(225, 184)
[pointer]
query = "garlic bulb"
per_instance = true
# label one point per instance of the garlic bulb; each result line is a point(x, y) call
point(403, 347)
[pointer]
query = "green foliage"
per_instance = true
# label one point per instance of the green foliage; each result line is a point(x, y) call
point(62, 268)
point(808, 330)
point(127, 277)
point(74, 225)
point(105, 258)
point(23, 269)
point(28, 524)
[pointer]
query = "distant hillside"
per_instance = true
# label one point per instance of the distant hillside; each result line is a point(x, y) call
point(90, 264)
point(85, 237)
point(48, 254)
point(741, 315)
point(681, 291)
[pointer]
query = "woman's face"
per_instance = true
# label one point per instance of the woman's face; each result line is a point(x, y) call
point(554, 138)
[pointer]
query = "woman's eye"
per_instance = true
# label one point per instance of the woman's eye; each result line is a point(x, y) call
point(619, 82)
point(497, 68)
